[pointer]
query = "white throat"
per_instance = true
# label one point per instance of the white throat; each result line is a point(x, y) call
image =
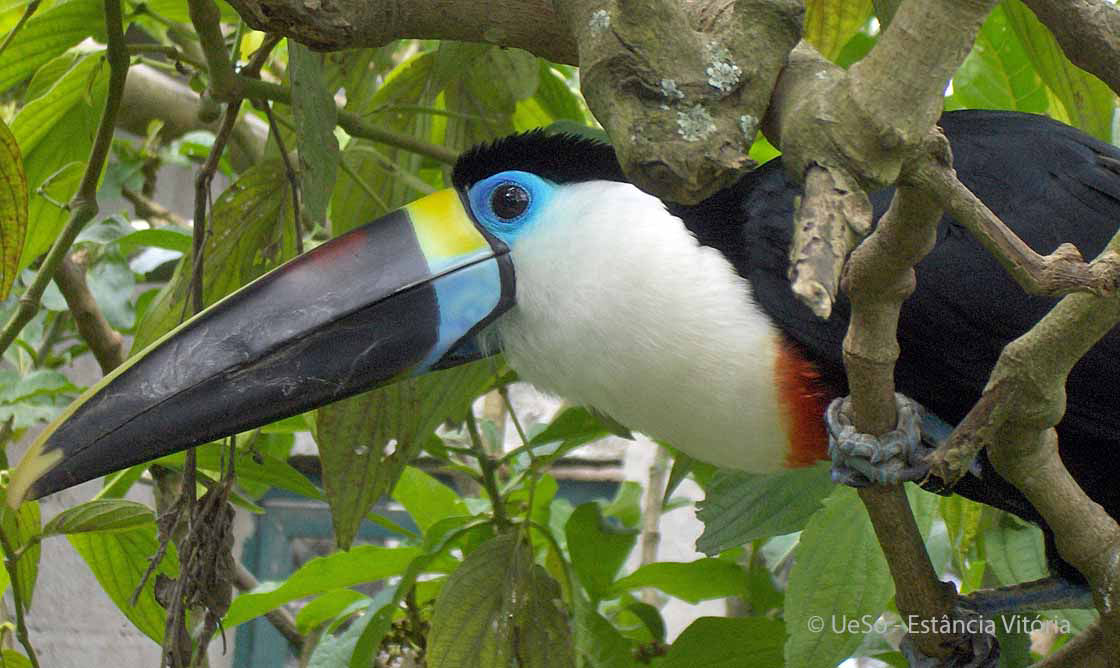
point(620, 308)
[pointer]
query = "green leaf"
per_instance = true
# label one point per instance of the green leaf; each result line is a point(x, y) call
point(597, 640)
point(37, 383)
point(365, 563)
point(13, 659)
point(259, 467)
point(251, 232)
point(572, 427)
point(962, 522)
point(112, 283)
point(499, 606)
point(1088, 102)
point(49, 34)
point(829, 24)
point(55, 133)
point(426, 499)
point(326, 607)
point(22, 530)
point(100, 515)
point(736, 642)
point(692, 581)
point(334, 651)
point(1015, 552)
point(997, 73)
point(118, 559)
point(597, 548)
point(315, 117)
point(557, 98)
point(740, 507)
point(169, 238)
point(13, 209)
point(839, 573)
point(366, 441)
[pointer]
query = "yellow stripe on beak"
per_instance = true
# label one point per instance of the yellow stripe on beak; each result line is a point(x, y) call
point(444, 229)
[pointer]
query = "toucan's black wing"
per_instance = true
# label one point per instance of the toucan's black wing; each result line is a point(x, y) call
point(1050, 183)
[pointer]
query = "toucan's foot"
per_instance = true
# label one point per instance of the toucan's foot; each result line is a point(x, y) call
point(861, 460)
point(977, 649)
point(1052, 593)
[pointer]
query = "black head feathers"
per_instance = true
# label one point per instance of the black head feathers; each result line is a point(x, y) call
point(560, 158)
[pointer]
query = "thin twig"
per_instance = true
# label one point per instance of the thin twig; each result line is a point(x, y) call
point(171, 52)
point(293, 178)
point(489, 476)
point(11, 562)
point(83, 207)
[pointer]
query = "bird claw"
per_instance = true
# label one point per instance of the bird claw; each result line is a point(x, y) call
point(976, 650)
point(861, 460)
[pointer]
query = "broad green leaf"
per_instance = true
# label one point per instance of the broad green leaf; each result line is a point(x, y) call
point(839, 573)
point(326, 607)
point(572, 427)
point(829, 24)
point(557, 99)
point(997, 74)
point(426, 499)
point(597, 641)
point(366, 441)
point(49, 34)
point(55, 132)
point(334, 651)
point(13, 209)
point(100, 515)
point(597, 548)
point(1015, 553)
point(22, 529)
point(735, 642)
point(259, 467)
point(112, 283)
point(169, 238)
point(13, 659)
point(364, 563)
point(650, 617)
point(118, 560)
point(692, 581)
point(740, 507)
point(315, 117)
point(498, 607)
point(1088, 102)
point(251, 232)
point(962, 521)
point(37, 383)
point(377, 190)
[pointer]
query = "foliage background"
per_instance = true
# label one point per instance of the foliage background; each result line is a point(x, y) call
point(503, 572)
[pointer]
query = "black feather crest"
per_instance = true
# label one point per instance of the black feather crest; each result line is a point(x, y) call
point(560, 158)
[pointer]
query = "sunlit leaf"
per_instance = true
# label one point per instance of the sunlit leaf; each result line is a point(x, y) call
point(426, 499)
point(1089, 103)
point(720, 642)
point(598, 549)
point(48, 34)
point(829, 24)
point(692, 581)
point(315, 116)
point(22, 529)
point(13, 209)
point(326, 607)
point(365, 563)
point(839, 573)
point(997, 74)
point(55, 132)
point(118, 560)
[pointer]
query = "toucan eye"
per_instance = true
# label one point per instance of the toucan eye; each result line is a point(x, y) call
point(509, 200)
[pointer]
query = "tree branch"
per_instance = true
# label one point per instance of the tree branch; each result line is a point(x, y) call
point(105, 343)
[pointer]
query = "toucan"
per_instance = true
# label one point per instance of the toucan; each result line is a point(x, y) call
point(674, 320)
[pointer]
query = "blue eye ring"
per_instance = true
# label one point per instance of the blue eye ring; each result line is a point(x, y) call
point(509, 201)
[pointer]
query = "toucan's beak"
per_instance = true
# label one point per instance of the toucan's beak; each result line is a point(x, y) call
point(401, 296)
